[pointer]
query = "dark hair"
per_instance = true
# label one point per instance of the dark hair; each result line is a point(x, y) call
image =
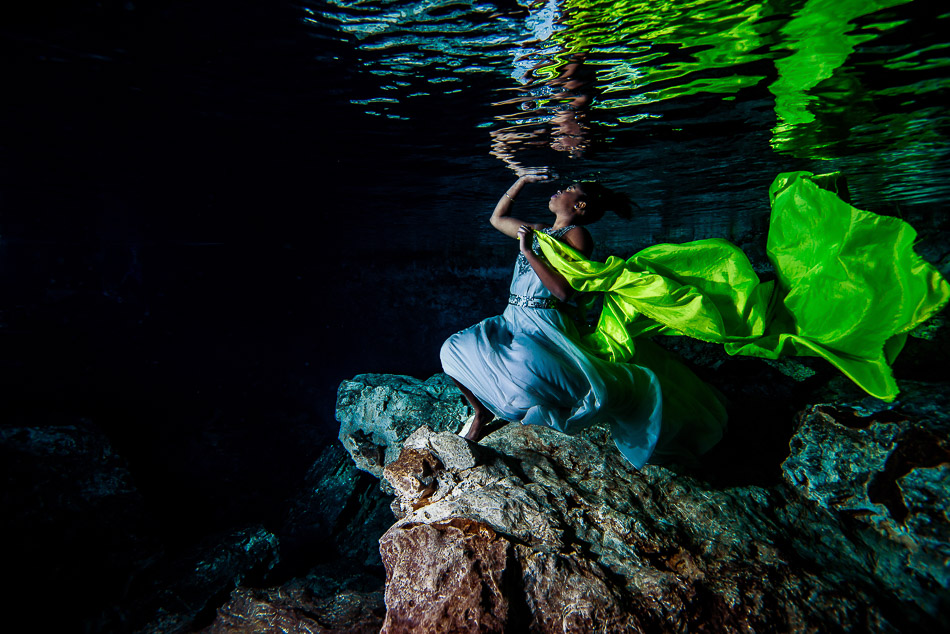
point(600, 200)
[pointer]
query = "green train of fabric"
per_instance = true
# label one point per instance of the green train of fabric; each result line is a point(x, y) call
point(849, 287)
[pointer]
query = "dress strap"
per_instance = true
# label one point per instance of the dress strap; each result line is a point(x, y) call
point(558, 233)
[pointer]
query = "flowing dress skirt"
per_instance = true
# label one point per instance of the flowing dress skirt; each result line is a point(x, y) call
point(526, 365)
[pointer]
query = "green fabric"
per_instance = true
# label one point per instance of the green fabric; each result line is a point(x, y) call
point(849, 288)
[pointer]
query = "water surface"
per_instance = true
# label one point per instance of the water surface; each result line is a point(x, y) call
point(690, 106)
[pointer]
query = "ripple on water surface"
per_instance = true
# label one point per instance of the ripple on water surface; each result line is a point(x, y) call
point(747, 88)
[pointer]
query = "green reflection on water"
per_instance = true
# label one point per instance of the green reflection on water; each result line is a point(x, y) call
point(651, 51)
point(667, 49)
point(846, 78)
point(818, 36)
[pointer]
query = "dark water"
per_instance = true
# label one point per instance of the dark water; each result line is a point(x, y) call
point(213, 212)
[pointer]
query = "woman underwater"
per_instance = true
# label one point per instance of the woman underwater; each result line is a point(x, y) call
point(849, 289)
point(527, 364)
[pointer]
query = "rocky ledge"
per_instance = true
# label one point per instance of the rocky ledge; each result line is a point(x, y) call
point(532, 530)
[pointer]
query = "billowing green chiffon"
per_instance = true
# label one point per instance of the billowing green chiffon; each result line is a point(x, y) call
point(849, 287)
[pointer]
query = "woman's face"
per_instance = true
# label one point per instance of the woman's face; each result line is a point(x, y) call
point(565, 199)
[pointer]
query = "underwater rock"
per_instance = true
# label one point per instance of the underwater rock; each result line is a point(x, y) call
point(294, 609)
point(882, 471)
point(377, 412)
point(81, 526)
point(445, 577)
point(329, 546)
point(72, 519)
point(187, 587)
point(532, 530)
point(339, 513)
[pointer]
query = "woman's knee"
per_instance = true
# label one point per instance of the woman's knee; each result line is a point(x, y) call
point(448, 355)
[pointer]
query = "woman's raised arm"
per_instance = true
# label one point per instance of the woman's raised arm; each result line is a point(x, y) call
point(501, 220)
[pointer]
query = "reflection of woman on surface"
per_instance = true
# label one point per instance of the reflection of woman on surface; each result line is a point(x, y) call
point(564, 105)
point(526, 364)
point(576, 85)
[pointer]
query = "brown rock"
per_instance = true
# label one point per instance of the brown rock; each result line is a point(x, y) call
point(412, 476)
point(445, 577)
point(565, 593)
point(575, 540)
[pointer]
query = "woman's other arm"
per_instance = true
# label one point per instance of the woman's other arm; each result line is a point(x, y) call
point(501, 220)
point(579, 238)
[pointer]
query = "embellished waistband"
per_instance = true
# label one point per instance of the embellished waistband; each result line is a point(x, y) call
point(532, 302)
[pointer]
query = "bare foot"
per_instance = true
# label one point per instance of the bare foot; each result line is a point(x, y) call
point(476, 431)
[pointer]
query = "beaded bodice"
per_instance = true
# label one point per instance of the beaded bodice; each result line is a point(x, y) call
point(523, 265)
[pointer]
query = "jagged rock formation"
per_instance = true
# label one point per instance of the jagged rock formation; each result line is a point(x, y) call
point(330, 577)
point(79, 523)
point(377, 412)
point(536, 531)
point(72, 518)
point(182, 590)
point(530, 530)
point(339, 513)
point(884, 473)
point(292, 608)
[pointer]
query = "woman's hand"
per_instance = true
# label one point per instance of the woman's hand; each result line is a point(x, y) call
point(525, 238)
point(552, 280)
point(534, 178)
point(501, 217)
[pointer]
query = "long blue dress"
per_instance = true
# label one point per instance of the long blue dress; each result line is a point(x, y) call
point(527, 365)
